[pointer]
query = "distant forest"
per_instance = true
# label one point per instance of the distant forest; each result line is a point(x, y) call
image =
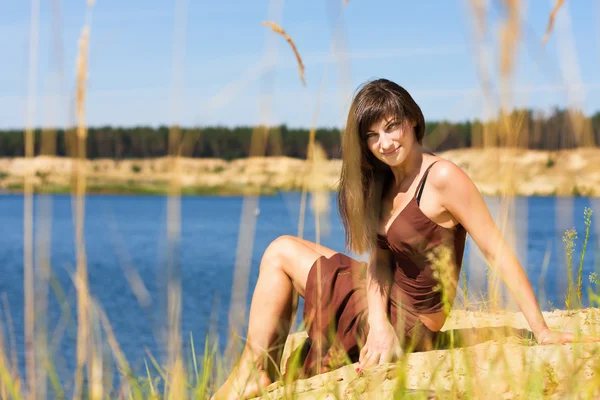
point(560, 129)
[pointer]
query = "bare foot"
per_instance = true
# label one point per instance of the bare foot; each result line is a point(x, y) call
point(241, 385)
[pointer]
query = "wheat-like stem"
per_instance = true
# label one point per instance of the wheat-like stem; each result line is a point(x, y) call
point(83, 333)
point(551, 18)
point(587, 215)
point(278, 29)
point(28, 278)
point(569, 241)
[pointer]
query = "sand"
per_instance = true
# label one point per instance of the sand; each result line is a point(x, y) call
point(494, 171)
point(499, 362)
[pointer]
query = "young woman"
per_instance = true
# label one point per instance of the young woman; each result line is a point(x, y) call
point(408, 208)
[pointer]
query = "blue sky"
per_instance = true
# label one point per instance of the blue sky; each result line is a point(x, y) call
point(235, 71)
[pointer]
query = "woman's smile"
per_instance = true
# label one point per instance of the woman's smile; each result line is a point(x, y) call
point(390, 152)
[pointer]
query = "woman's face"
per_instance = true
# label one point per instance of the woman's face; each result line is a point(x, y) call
point(391, 140)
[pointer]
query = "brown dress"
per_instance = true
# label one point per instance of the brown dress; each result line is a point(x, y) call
point(335, 307)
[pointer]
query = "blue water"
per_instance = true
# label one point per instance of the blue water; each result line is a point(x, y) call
point(129, 233)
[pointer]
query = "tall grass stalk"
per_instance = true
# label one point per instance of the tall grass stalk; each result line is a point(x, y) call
point(441, 262)
point(150, 380)
point(46, 372)
point(587, 216)
point(465, 289)
point(175, 387)
point(206, 372)
point(28, 278)
point(83, 333)
point(569, 241)
point(8, 380)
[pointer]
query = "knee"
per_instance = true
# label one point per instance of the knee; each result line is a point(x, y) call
point(278, 251)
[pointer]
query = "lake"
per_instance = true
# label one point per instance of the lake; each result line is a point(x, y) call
point(126, 236)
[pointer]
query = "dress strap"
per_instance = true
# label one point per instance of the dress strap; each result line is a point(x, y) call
point(419, 191)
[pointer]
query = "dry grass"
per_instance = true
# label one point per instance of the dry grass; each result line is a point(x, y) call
point(557, 6)
point(86, 353)
point(504, 365)
point(276, 28)
point(29, 279)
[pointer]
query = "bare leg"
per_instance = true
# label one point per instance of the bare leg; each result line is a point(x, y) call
point(283, 272)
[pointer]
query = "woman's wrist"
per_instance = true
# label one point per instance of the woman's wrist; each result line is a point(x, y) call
point(376, 319)
point(536, 321)
point(537, 332)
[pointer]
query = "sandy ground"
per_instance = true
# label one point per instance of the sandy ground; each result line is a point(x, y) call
point(494, 171)
point(500, 361)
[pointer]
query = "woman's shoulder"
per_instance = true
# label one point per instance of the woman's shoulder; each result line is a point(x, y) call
point(445, 173)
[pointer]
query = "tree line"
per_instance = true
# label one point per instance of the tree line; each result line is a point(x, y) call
point(559, 129)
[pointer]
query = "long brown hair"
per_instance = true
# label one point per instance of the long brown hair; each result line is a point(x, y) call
point(363, 176)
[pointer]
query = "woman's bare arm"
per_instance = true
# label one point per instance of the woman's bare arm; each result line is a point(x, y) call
point(382, 343)
point(459, 195)
point(379, 279)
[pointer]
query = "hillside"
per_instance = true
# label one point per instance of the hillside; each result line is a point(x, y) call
point(494, 171)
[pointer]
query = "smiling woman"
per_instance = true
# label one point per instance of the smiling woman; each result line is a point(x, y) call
point(384, 124)
point(387, 138)
point(411, 211)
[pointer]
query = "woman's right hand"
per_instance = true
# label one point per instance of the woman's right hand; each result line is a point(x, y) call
point(382, 345)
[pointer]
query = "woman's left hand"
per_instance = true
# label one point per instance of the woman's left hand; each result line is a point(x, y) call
point(548, 336)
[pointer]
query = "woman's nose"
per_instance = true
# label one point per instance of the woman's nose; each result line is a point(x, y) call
point(386, 141)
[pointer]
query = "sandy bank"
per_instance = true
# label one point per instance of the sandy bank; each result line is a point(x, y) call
point(494, 171)
point(498, 361)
